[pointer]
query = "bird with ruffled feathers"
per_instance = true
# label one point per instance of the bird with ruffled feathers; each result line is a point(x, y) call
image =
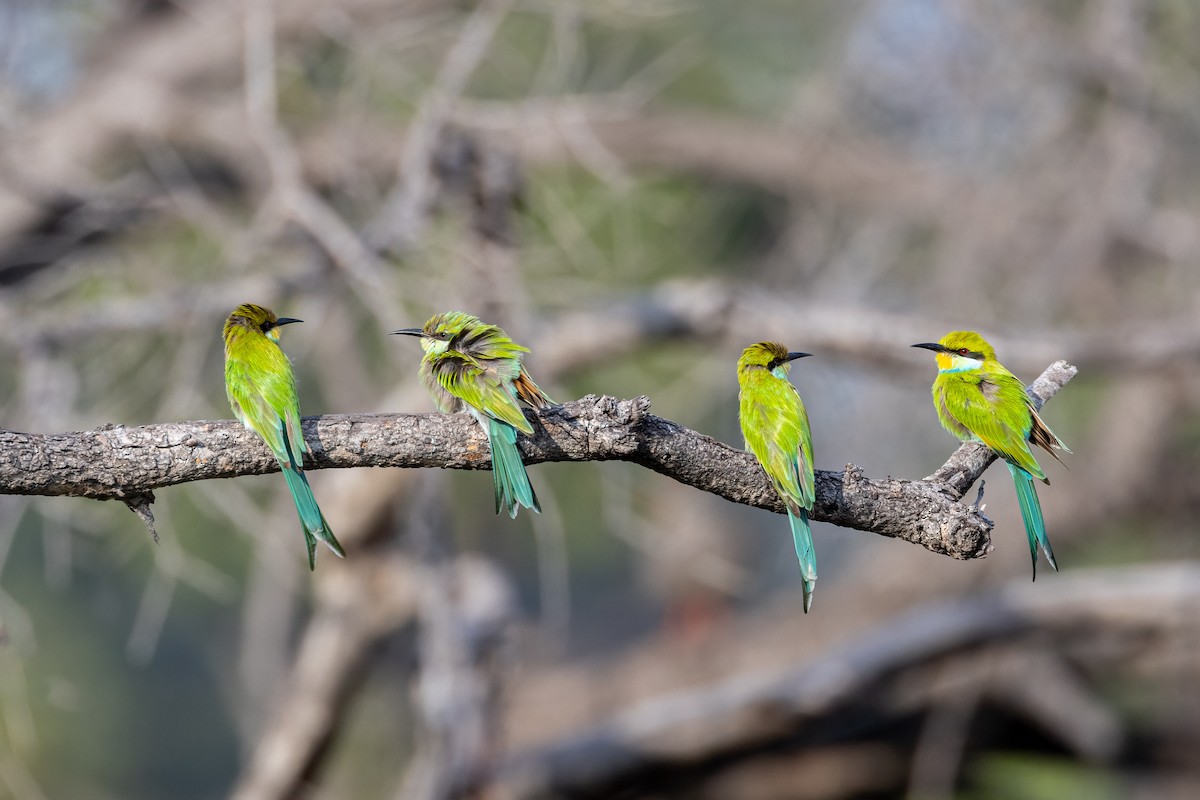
point(473, 366)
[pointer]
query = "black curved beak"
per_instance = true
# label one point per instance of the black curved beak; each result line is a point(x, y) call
point(286, 321)
point(794, 355)
point(934, 346)
point(409, 332)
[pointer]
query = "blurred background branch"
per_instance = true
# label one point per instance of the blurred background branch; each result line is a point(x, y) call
point(1020, 639)
point(637, 192)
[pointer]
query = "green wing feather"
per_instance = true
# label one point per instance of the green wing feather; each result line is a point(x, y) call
point(487, 389)
point(994, 408)
point(775, 427)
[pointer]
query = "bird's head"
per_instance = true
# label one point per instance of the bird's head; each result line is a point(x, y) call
point(441, 329)
point(960, 351)
point(257, 318)
point(771, 356)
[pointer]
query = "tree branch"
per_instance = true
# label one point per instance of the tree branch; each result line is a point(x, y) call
point(118, 462)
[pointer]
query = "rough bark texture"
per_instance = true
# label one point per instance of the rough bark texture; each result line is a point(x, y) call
point(119, 462)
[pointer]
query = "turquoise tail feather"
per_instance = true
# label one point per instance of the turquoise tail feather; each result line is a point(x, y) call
point(802, 538)
point(311, 518)
point(1031, 513)
point(508, 470)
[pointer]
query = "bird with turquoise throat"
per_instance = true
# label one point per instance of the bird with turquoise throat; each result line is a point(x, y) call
point(473, 366)
point(262, 393)
point(978, 399)
point(775, 427)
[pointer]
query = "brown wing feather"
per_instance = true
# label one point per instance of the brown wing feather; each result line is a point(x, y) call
point(1041, 435)
point(529, 392)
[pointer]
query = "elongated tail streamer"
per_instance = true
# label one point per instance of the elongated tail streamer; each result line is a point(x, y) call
point(802, 538)
point(508, 470)
point(1031, 514)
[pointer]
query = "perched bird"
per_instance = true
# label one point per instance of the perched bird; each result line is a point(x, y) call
point(262, 394)
point(776, 430)
point(474, 366)
point(977, 399)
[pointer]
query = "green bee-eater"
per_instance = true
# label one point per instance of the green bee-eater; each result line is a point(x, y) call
point(977, 399)
point(474, 366)
point(262, 394)
point(776, 430)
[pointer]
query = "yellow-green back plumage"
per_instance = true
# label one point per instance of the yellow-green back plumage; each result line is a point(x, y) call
point(978, 399)
point(473, 366)
point(775, 427)
point(262, 393)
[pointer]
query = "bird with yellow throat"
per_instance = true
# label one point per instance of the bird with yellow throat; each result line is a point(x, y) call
point(978, 399)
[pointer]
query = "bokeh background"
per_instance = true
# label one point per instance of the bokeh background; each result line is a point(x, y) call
point(636, 190)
